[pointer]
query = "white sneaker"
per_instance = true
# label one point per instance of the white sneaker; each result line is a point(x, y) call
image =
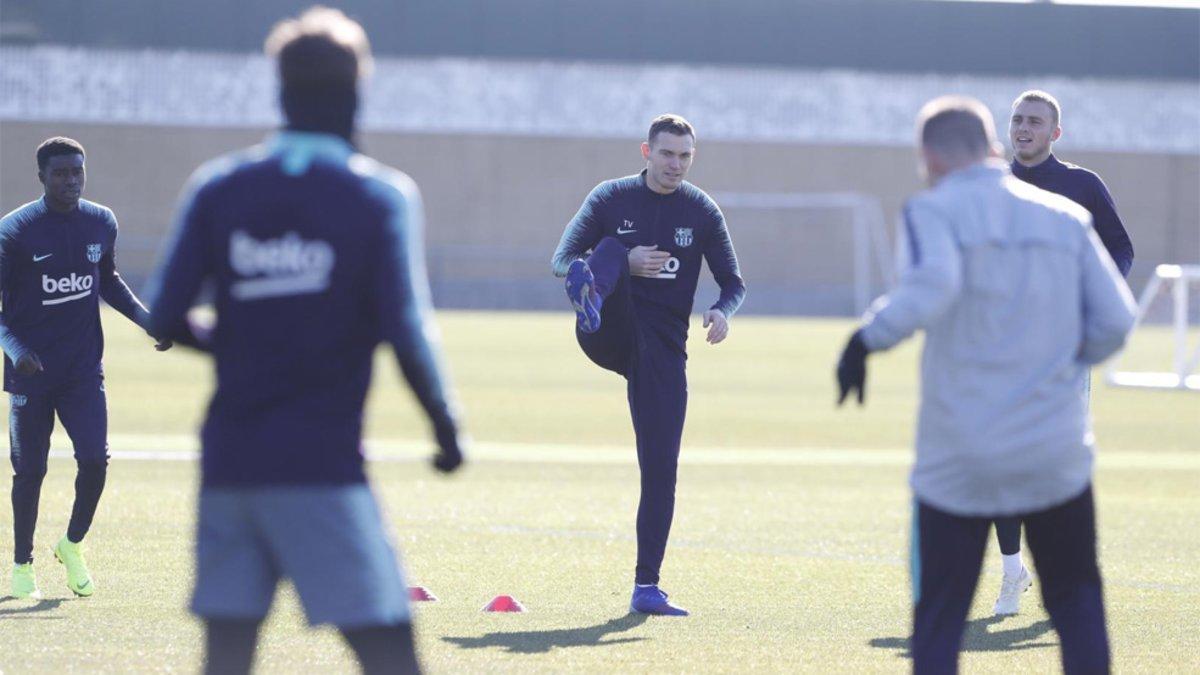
point(1011, 588)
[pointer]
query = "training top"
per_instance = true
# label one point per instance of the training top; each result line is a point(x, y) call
point(314, 255)
point(54, 268)
point(686, 223)
point(1085, 188)
point(1018, 299)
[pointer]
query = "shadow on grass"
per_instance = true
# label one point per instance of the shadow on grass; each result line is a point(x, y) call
point(41, 606)
point(542, 641)
point(977, 638)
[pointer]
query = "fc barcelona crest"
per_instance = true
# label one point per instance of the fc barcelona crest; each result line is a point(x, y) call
point(93, 252)
point(683, 236)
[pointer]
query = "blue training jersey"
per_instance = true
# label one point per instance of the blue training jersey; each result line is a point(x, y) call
point(54, 268)
point(314, 255)
point(686, 223)
point(1085, 188)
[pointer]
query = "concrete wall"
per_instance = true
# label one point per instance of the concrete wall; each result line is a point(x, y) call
point(496, 205)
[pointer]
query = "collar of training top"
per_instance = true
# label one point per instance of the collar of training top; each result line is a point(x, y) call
point(300, 148)
point(1049, 164)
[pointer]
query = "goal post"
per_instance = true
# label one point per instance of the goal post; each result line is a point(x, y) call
point(822, 253)
point(1185, 357)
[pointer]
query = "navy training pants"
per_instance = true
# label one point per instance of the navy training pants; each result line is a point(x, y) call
point(647, 349)
point(83, 409)
point(947, 558)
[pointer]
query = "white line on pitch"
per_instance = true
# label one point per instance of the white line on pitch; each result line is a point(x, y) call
point(179, 447)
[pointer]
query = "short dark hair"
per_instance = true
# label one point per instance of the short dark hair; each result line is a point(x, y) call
point(1041, 97)
point(958, 126)
point(59, 145)
point(672, 124)
point(321, 49)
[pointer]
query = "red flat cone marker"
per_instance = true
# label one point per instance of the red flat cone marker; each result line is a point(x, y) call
point(504, 603)
point(420, 594)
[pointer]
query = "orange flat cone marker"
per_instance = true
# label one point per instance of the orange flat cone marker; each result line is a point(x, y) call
point(504, 603)
point(420, 594)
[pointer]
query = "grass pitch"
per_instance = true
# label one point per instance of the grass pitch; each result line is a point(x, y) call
point(789, 545)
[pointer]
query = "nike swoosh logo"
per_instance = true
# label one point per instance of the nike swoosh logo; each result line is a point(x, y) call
point(620, 231)
point(40, 258)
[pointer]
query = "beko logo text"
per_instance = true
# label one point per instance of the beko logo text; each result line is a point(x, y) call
point(78, 286)
point(274, 268)
point(288, 254)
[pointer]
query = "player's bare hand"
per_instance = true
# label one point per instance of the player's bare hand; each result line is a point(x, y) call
point(647, 261)
point(28, 364)
point(717, 325)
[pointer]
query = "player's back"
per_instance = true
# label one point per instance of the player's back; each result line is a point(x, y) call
point(299, 238)
point(1003, 420)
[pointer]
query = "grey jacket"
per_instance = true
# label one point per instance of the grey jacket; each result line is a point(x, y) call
point(1018, 298)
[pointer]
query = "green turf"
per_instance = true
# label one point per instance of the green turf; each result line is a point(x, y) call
point(789, 544)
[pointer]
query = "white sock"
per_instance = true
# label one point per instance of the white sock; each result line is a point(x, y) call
point(645, 585)
point(1012, 565)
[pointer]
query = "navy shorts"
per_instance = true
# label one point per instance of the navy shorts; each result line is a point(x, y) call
point(330, 541)
point(81, 407)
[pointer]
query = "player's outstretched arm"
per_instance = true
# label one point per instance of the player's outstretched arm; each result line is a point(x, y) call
point(402, 293)
point(581, 234)
point(929, 285)
point(182, 270)
point(120, 297)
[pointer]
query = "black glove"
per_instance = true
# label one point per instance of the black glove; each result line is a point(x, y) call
point(28, 364)
point(449, 455)
point(163, 345)
point(852, 369)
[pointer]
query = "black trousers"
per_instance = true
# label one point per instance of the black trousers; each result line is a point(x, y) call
point(647, 349)
point(948, 555)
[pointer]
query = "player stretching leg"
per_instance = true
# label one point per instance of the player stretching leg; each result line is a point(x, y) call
point(57, 259)
point(1035, 124)
point(632, 295)
point(315, 255)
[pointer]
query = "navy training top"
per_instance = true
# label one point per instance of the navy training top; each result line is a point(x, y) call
point(315, 256)
point(1085, 188)
point(54, 268)
point(686, 223)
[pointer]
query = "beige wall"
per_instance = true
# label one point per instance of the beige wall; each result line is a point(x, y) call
point(496, 205)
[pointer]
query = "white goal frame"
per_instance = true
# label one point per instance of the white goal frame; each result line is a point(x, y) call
point(866, 214)
point(1185, 359)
